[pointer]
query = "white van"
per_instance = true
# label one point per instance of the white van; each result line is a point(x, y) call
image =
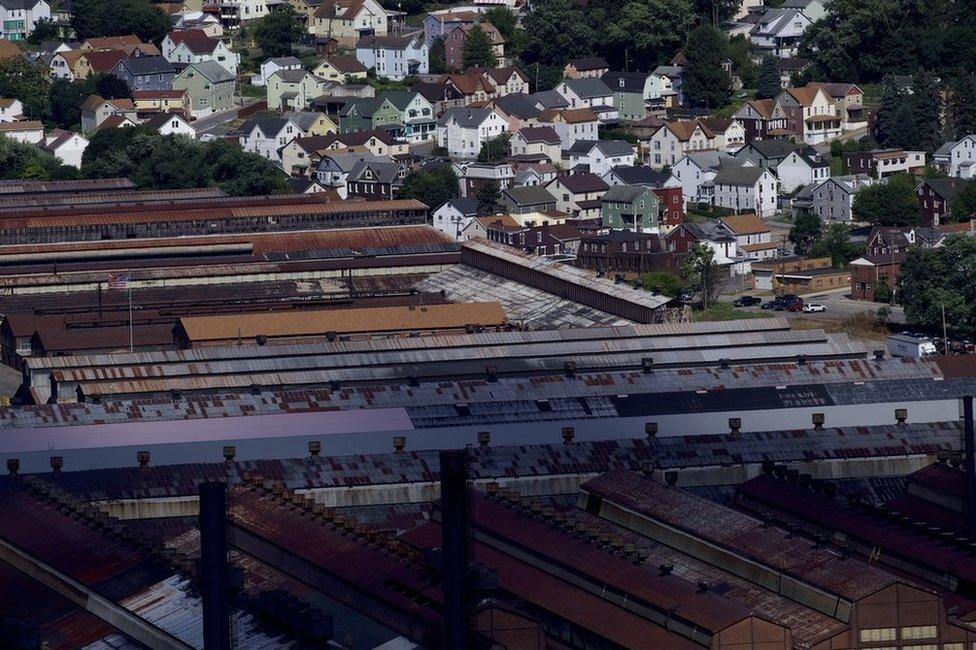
point(908, 344)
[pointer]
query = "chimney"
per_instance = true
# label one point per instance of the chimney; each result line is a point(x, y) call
point(454, 528)
point(213, 566)
point(969, 466)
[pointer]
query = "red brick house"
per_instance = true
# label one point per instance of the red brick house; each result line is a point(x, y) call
point(936, 196)
point(454, 44)
point(672, 207)
point(870, 271)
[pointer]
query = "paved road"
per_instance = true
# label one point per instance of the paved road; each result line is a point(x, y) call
point(216, 124)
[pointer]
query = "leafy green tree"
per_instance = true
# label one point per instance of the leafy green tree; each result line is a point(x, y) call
point(889, 204)
point(739, 51)
point(835, 243)
point(436, 57)
point(119, 17)
point(962, 106)
point(22, 160)
point(964, 205)
point(476, 51)
point(108, 86)
point(645, 32)
point(505, 22)
point(806, 230)
point(239, 173)
point(44, 30)
point(893, 120)
point(431, 187)
point(277, 33)
point(926, 110)
point(489, 197)
point(662, 283)
point(700, 272)
point(715, 12)
point(556, 31)
point(27, 82)
point(767, 82)
point(706, 83)
point(937, 278)
point(494, 149)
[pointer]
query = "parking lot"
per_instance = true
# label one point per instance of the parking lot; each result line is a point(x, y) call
point(839, 306)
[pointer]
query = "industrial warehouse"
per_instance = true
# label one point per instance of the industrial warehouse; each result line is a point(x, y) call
point(296, 421)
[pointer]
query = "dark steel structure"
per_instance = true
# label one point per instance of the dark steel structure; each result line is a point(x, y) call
point(213, 564)
point(454, 527)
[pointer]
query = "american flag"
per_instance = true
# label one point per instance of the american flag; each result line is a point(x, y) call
point(118, 281)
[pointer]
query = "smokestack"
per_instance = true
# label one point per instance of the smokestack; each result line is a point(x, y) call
point(213, 564)
point(969, 464)
point(454, 527)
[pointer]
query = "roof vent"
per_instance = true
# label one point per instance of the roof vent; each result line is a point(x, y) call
point(568, 435)
point(314, 448)
point(724, 363)
point(671, 478)
point(650, 429)
point(901, 416)
point(569, 367)
point(262, 339)
point(703, 586)
point(647, 365)
point(879, 355)
point(229, 452)
point(57, 462)
point(13, 466)
point(665, 569)
point(143, 458)
point(734, 425)
point(818, 421)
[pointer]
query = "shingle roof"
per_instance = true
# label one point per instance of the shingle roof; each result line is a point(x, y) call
point(738, 175)
point(466, 117)
point(346, 64)
point(624, 193)
point(589, 63)
point(143, 65)
point(588, 87)
point(466, 205)
point(212, 70)
point(775, 148)
point(606, 147)
point(518, 105)
point(583, 183)
point(386, 42)
point(545, 134)
point(549, 99)
point(529, 195)
point(625, 81)
point(947, 188)
point(640, 175)
point(745, 224)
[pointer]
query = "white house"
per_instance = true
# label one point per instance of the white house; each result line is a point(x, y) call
point(30, 132)
point(695, 172)
point(591, 93)
point(670, 142)
point(463, 130)
point(958, 158)
point(267, 135)
point(393, 57)
point(811, 113)
point(833, 200)
point(11, 110)
point(571, 124)
point(753, 238)
point(247, 10)
point(537, 140)
point(600, 156)
point(171, 124)
point(746, 189)
point(778, 31)
point(273, 65)
point(455, 215)
point(801, 167)
point(194, 46)
point(66, 146)
point(19, 17)
point(662, 89)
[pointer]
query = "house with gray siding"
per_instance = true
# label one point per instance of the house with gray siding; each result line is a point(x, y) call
point(208, 85)
point(145, 73)
point(630, 206)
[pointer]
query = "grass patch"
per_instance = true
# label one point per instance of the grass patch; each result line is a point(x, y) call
point(247, 90)
point(726, 311)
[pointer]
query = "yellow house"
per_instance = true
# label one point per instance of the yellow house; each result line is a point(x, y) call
point(315, 123)
point(161, 101)
point(348, 20)
point(292, 89)
point(340, 68)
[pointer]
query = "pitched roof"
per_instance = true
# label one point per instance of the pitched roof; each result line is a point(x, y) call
point(529, 195)
point(28, 125)
point(764, 107)
point(342, 9)
point(606, 147)
point(212, 70)
point(502, 75)
point(104, 60)
point(588, 87)
point(386, 42)
point(626, 81)
point(468, 83)
point(682, 129)
point(745, 224)
point(947, 188)
point(583, 183)
point(158, 120)
point(709, 158)
point(569, 115)
point(624, 193)
point(466, 205)
point(589, 63)
point(138, 95)
point(465, 117)
point(270, 125)
point(111, 42)
point(836, 89)
point(545, 134)
point(346, 64)
point(518, 105)
point(738, 175)
point(143, 65)
point(714, 125)
point(549, 99)
point(775, 148)
point(196, 40)
point(8, 49)
point(284, 61)
point(640, 175)
point(804, 95)
point(386, 171)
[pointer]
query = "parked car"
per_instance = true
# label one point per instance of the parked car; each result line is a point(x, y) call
point(746, 301)
point(772, 304)
point(910, 344)
point(796, 306)
point(814, 307)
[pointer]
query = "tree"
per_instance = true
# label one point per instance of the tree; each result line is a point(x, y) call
point(489, 197)
point(22, 160)
point(494, 149)
point(889, 204)
point(926, 111)
point(436, 57)
point(662, 283)
point(962, 106)
point(505, 22)
point(432, 187)
point(767, 82)
point(701, 273)
point(964, 205)
point(108, 86)
point(44, 30)
point(118, 18)
point(239, 173)
point(706, 83)
point(893, 121)
point(277, 32)
point(715, 12)
point(27, 82)
point(835, 243)
point(645, 32)
point(931, 280)
point(806, 230)
point(556, 31)
point(476, 51)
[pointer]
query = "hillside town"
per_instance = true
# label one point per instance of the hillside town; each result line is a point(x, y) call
point(510, 324)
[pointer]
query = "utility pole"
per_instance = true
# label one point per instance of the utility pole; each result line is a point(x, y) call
point(945, 337)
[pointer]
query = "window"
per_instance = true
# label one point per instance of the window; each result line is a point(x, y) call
point(918, 632)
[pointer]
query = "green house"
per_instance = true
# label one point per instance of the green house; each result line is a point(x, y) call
point(369, 113)
point(630, 206)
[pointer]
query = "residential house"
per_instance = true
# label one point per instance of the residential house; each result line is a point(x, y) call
point(727, 135)
point(235, 12)
point(578, 194)
point(600, 156)
point(266, 136)
point(62, 64)
point(779, 31)
point(171, 124)
point(301, 156)
point(746, 189)
point(368, 114)
point(848, 103)
point(507, 81)
point(957, 158)
point(536, 140)
point(194, 46)
point(416, 115)
point(761, 119)
point(96, 110)
point(375, 180)
point(695, 173)
point(393, 57)
point(572, 124)
point(148, 102)
point(936, 196)
point(636, 175)
point(312, 122)
point(455, 39)
point(334, 168)
point(801, 167)
point(882, 163)
point(518, 109)
point(97, 62)
point(549, 100)
point(663, 89)
point(292, 89)
point(208, 85)
point(529, 199)
point(19, 17)
point(589, 93)
point(672, 141)
point(340, 68)
point(208, 23)
point(11, 110)
point(789, 68)
point(625, 251)
point(454, 216)
point(630, 206)
point(592, 67)
point(767, 153)
point(473, 86)
point(440, 23)
point(628, 93)
point(347, 21)
point(753, 238)
point(544, 239)
point(885, 252)
point(811, 115)
point(812, 9)
point(713, 234)
point(273, 65)
point(117, 122)
point(27, 131)
point(476, 175)
point(146, 73)
point(101, 43)
point(462, 131)
point(533, 173)
point(67, 146)
point(833, 200)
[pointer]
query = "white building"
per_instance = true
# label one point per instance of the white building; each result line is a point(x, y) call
point(571, 124)
point(600, 156)
point(958, 158)
point(273, 65)
point(19, 17)
point(462, 130)
point(591, 93)
point(393, 57)
point(194, 46)
point(67, 146)
point(30, 132)
point(455, 215)
point(695, 173)
point(267, 135)
point(171, 124)
point(779, 30)
point(801, 167)
point(833, 200)
point(746, 189)
point(11, 110)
